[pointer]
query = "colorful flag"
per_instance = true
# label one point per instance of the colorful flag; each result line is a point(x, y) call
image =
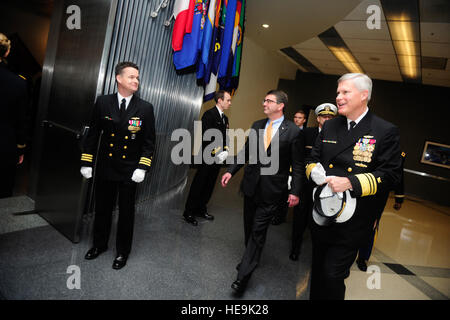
point(233, 76)
point(211, 70)
point(183, 13)
point(187, 56)
point(227, 37)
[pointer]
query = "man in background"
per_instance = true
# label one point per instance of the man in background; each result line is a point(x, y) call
point(206, 176)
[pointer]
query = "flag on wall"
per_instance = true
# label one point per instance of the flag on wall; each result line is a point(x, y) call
point(183, 13)
point(214, 45)
point(187, 56)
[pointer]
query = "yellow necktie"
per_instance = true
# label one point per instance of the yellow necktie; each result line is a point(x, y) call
point(268, 135)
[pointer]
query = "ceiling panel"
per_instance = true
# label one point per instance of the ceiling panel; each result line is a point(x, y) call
point(436, 49)
point(389, 69)
point(385, 76)
point(327, 63)
point(335, 71)
point(438, 74)
point(317, 54)
point(435, 32)
point(376, 58)
point(370, 46)
point(314, 43)
point(359, 30)
point(436, 82)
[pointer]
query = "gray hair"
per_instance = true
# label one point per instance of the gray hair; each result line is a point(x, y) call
point(361, 81)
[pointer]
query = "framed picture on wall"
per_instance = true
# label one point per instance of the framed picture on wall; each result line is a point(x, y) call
point(436, 154)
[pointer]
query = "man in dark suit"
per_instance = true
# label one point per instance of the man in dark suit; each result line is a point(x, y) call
point(205, 178)
point(125, 125)
point(265, 190)
point(356, 153)
point(13, 90)
point(302, 211)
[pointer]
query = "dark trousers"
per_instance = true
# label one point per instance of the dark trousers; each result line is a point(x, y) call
point(365, 251)
point(202, 188)
point(257, 217)
point(300, 219)
point(330, 266)
point(7, 177)
point(106, 193)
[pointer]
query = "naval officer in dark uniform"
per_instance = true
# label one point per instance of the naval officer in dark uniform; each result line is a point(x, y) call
point(126, 125)
point(302, 211)
point(206, 176)
point(355, 154)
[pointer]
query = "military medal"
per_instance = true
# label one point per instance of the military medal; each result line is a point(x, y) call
point(134, 126)
point(363, 149)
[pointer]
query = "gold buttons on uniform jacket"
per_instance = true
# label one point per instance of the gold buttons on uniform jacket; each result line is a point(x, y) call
point(126, 137)
point(331, 166)
point(111, 145)
point(349, 169)
point(123, 157)
point(112, 134)
point(110, 154)
point(125, 147)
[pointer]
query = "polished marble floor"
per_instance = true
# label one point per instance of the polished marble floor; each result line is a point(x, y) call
point(173, 260)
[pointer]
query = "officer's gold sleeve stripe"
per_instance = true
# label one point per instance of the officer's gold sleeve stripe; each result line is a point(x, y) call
point(87, 155)
point(309, 168)
point(399, 196)
point(145, 161)
point(373, 183)
point(370, 187)
point(365, 187)
point(21, 146)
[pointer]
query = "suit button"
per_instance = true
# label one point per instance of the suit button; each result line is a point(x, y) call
point(123, 157)
point(110, 154)
point(330, 166)
point(349, 169)
point(111, 145)
point(125, 147)
point(112, 134)
point(126, 137)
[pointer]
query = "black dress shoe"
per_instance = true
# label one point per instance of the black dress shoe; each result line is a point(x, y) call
point(206, 216)
point(293, 256)
point(120, 261)
point(94, 253)
point(190, 219)
point(361, 264)
point(239, 286)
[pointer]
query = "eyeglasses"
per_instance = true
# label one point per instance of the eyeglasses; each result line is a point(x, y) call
point(269, 101)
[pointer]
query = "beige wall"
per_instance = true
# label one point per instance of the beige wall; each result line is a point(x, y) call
point(260, 72)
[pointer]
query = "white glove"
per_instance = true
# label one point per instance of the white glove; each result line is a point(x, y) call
point(318, 174)
point(138, 175)
point(222, 156)
point(86, 172)
point(289, 182)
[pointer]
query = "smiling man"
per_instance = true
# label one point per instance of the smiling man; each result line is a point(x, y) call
point(126, 125)
point(356, 154)
point(265, 193)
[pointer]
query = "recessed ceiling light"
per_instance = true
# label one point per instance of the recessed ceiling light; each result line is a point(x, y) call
point(265, 25)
